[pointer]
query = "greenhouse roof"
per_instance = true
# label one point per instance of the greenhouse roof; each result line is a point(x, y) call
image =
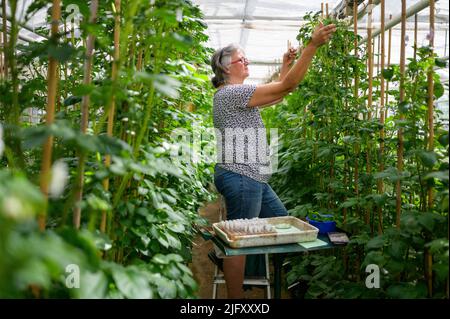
point(263, 27)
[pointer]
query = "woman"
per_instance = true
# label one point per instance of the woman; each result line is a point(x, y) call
point(243, 169)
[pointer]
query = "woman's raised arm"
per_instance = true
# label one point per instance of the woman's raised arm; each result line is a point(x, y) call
point(268, 93)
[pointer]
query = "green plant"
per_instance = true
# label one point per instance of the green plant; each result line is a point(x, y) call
point(330, 141)
point(135, 234)
point(320, 217)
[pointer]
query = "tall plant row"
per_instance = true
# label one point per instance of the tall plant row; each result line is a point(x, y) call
point(362, 153)
point(94, 104)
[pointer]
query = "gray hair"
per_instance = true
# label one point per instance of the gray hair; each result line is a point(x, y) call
point(220, 61)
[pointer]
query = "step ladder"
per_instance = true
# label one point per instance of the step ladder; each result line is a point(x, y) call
point(250, 281)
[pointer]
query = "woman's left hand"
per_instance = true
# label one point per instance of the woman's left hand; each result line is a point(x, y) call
point(289, 56)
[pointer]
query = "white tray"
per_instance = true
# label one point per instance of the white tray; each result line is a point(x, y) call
point(299, 231)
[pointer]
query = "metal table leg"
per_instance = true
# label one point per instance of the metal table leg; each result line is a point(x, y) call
point(277, 264)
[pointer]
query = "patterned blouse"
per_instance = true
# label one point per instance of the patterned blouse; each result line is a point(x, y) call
point(240, 133)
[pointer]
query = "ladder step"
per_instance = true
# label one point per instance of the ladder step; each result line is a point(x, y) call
point(247, 281)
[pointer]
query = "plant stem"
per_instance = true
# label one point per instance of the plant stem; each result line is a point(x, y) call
point(52, 87)
point(84, 116)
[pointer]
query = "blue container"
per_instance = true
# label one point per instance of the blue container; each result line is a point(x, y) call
point(325, 226)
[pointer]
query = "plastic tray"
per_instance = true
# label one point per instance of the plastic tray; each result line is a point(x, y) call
point(299, 231)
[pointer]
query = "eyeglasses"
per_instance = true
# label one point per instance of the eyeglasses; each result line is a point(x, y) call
point(242, 60)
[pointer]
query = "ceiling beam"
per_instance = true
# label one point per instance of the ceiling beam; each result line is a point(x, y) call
point(264, 18)
point(24, 25)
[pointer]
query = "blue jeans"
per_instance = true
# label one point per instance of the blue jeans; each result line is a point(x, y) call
point(246, 197)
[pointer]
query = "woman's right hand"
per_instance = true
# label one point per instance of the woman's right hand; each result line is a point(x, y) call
point(322, 34)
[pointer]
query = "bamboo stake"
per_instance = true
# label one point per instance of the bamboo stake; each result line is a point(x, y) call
point(345, 156)
point(112, 105)
point(84, 116)
point(355, 31)
point(430, 113)
point(2, 53)
point(388, 64)
point(321, 9)
point(370, 61)
point(52, 87)
point(139, 61)
point(415, 36)
point(398, 203)
point(380, 184)
point(14, 113)
point(369, 97)
point(5, 39)
point(378, 64)
point(326, 8)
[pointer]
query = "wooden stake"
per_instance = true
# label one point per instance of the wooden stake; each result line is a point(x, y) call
point(378, 61)
point(326, 6)
point(139, 61)
point(380, 184)
point(84, 115)
point(5, 39)
point(355, 30)
point(344, 210)
point(370, 60)
point(346, 8)
point(2, 53)
point(398, 204)
point(388, 64)
point(321, 9)
point(52, 88)
point(370, 57)
point(415, 36)
point(429, 271)
point(111, 108)
point(430, 113)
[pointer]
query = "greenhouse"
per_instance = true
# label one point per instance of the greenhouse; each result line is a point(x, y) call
point(204, 149)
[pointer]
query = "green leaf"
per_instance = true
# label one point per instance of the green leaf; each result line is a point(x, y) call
point(427, 220)
point(131, 283)
point(173, 241)
point(376, 242)
point(439, 62)
point(350, 202)
point(162, 240)
point(71, 100)
point(167, 85)
point(441, 175)
point(404, 107)
point(397, 249)
point(438, 90)
point(34, 136)
point(438, 245)
point(388, 73)
point(395, 267)
point(441, 271)
point(428, 158)
point(166, 288)
point(160, 259)
point(443, 139)
point(61, 52)
point(162, 83)
point(92, 285)
point(407, 291)
point(176, 227)
point(96, 203)
point(374, 257)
